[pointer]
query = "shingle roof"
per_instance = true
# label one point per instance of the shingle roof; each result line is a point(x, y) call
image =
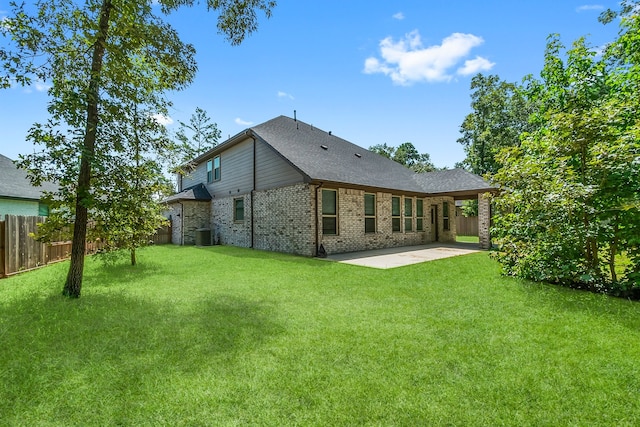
point(452, 180)
point(322, 156)
point(15, 184)
point(195, 192)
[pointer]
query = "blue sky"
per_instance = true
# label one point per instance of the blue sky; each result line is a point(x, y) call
point(371, 72)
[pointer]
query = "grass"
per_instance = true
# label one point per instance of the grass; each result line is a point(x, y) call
point(229, 336)
point(468, 239)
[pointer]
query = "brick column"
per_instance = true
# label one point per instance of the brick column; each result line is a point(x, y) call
point(484, 221)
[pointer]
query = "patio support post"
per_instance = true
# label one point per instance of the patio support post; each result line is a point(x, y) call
point(484, 220)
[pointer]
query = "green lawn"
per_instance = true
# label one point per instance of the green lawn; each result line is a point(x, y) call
point(468, 239)
point(229, 336)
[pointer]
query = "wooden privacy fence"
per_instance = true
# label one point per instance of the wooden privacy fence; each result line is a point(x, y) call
point(20, 252)
point(466, 225)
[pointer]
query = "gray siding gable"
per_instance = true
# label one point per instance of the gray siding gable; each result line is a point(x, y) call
point(322, 156)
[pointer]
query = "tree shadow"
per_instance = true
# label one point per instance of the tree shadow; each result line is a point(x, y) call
point(56, 351)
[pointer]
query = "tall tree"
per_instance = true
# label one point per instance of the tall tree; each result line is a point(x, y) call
point(198, 136)
point(569, 205)
point(95, 53)
point(406, 154)
point(500, 115)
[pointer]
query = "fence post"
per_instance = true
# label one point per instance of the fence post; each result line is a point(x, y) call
point(2, 246)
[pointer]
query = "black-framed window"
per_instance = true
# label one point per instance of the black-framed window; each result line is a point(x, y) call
point(329, 212)
point(408, 214)
point(238, 209)
point(369, 213)
point(445, 215)
point(419, 215)
point(395, 214)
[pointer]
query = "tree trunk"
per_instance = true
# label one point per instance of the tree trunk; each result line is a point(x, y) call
point(133, 256)
point(73, 285)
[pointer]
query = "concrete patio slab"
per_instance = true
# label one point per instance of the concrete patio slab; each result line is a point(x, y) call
point(407, 255)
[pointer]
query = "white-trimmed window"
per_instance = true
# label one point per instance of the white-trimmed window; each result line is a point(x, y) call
point(210, 171)
point(369, 213)
point(395, 214)
point(329, 212)
point(216, 168)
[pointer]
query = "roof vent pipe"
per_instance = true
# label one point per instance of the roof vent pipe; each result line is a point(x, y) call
point(294, 116)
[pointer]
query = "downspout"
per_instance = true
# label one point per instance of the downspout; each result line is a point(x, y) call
point(317, 240)
point(253, 190)
point(181, 223)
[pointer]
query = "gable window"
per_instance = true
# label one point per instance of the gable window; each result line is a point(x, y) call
point(395, 214)
point(369, 213)
point(445, 215)
point(209, 171)
point(238, 210)
point(408, 214)
point(419, 215)
point(216, 168)
point(329, 212)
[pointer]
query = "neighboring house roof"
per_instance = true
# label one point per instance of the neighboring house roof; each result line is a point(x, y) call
point(196, 192)
point(452, 181)
point(15, 184)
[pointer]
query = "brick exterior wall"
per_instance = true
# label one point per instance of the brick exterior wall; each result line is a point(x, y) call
point(484, 221)
point(226, 230)
point(284, 220)
point(186, 217)
point(351, 223)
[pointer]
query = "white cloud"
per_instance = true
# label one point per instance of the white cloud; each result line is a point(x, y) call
point(399, 16)
point(241, 122)
point(473, 66)
point(284, 95)
point(407, 61)
point(162, 119)
point(41, 86)
point(587, 7)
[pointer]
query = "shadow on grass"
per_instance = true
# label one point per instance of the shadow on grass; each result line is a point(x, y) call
point(62, 357)
point(258, 255)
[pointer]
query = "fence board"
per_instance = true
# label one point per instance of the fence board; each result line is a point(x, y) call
point(466, 225)
point(2, 251)
point(20, 252)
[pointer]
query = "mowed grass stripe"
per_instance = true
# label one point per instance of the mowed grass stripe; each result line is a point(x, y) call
point(231, 336)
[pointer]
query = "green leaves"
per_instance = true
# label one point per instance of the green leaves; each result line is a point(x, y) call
point(406, 154)
point(569, 212)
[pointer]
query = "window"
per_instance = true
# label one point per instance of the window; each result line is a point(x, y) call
point(216, 168)
point(43, 210)
point(419, 215)
point(238, 210)
point(445, 215)
point(209, 171)
point(329, 212)
point(395, 214)
point(408, 214)
point(369, 213)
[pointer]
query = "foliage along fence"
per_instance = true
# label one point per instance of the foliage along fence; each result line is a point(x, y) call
point(20, 252)
point(466, 225)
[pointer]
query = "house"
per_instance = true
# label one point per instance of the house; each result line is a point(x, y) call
point(17, 195)
point(287, 186)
